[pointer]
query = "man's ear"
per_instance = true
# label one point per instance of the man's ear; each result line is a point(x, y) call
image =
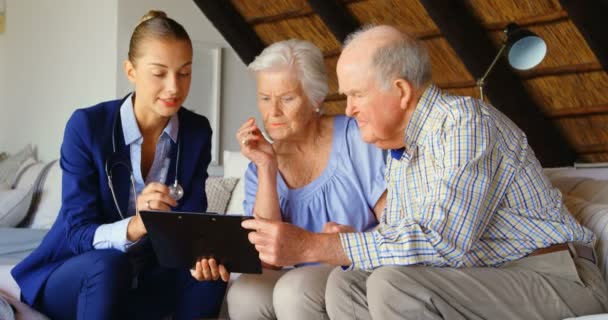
point(405, 91)
point(129, 69)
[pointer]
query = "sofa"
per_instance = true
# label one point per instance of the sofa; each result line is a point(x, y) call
point(585, 193)
point(35, 199)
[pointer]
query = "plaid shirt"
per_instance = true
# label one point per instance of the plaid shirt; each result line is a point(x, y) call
point(466, 191)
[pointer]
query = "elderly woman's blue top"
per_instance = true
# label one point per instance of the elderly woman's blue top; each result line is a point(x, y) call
point(346, 191)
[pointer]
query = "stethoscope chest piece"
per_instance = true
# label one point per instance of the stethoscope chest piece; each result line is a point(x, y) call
point(176, 191)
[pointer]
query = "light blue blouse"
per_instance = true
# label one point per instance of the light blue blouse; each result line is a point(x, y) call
point(114, 235)
point(346, 191)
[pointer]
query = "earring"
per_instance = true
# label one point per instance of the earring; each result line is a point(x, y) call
point(318, 110)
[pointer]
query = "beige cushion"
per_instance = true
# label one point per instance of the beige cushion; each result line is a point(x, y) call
point(218, 191)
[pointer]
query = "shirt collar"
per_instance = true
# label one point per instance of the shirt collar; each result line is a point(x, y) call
point(417, 122)
point(130, 129)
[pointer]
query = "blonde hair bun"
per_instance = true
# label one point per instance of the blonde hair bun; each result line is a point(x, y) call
point(152, 14)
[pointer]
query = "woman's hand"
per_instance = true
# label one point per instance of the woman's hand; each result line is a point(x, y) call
point(155, 196)
point(254, 146)
point(208, 269)
point(332, 227)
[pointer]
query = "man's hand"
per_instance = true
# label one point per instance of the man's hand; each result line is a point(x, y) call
point(283, 244)
point(279, 243)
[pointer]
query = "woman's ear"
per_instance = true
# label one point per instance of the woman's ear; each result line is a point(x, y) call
point(406, 92)
point(129, 69)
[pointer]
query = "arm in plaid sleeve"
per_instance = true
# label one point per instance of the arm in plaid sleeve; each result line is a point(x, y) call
point(469, 180)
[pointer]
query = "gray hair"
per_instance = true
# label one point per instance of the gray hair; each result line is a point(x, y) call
point(307, 60)
point(406, 58)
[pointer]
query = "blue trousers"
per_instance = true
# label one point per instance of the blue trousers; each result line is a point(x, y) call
point(97, 285)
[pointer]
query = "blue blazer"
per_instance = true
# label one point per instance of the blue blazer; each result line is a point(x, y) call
point(86, 198)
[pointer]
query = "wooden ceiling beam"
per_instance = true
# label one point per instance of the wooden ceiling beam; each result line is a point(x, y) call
point(471, 43)
point(589, 16)
point(550, 17)
point(229, 22)
point(561, 70)
point(579, 111)
point(335, 16)
point(592, 148)
point(294, 13)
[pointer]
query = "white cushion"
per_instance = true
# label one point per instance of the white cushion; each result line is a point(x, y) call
point(10, 167)
point(14, 205)
point(6, 311)
point(235, 165)
point(7, 283)
point(49, 204)
point(600, 173)
point(603, 316)
point(30, 175)
point(587, 201)
point(25, 167)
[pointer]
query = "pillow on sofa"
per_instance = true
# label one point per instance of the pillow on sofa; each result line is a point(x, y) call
point(49, 202)
point(10, 167)
point(6, 311)
point(21, 310)
point(593, 216)
point(218, 191)
point(14, 205)
point(235, 165)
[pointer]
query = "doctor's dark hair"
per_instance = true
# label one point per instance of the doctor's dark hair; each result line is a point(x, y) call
point(155, 24)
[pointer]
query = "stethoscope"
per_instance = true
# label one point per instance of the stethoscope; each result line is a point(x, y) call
point(115, 160)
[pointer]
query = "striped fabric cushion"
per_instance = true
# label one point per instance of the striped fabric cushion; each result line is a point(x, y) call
point(219, 190)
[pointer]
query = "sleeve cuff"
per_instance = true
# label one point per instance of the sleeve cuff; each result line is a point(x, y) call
point(113, 236)
point(361, 250)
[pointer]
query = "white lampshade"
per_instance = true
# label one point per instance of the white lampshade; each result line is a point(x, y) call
point(525, 49)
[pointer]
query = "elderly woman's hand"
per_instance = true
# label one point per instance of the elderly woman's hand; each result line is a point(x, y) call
point(208, 269)
point(254, 146)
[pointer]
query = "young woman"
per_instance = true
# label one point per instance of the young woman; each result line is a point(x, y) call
point(143, 152)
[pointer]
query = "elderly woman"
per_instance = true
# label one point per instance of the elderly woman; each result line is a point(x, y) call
point(317, 174)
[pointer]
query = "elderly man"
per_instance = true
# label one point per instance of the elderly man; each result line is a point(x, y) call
point(472, 228)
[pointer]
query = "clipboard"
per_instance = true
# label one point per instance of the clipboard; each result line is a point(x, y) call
point(179, 239)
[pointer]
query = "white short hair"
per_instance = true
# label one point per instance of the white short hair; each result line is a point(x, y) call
point(406, 58)
point(307, 60)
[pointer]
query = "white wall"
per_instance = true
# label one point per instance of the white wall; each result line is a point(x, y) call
point(55, 56)
point(238, 86)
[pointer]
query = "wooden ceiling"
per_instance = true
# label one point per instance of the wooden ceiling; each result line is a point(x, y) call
point(561, 104)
